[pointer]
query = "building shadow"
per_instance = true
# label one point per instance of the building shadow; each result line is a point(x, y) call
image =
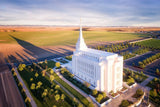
point(36, 52)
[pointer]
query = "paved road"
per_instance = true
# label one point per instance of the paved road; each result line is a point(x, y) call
point(9, 93)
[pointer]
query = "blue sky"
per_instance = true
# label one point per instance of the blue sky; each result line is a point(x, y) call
point(69, 12)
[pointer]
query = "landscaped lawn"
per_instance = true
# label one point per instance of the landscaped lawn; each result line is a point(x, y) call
point(154, 95)
point(130, 76)
point(80, 97)
point(29, 78)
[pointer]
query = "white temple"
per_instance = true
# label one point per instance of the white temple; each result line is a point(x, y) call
point(103, 70)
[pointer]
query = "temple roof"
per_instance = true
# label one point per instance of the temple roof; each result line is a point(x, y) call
point(81, 45)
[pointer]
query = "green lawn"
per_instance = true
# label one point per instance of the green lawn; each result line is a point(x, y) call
point(80, 97)
point(36, 94)
point(152, 43)
point(44, 38)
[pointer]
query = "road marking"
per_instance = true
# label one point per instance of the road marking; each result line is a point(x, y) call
point(4, 72)
point(4, 88)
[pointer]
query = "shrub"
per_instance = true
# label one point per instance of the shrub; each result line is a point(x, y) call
point(58, 64)
point(124, 103)
point(153, 93)
point(94, 92)
point(139, 93)
point(99, 97)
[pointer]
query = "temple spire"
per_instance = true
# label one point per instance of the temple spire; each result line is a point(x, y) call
point(81, 45)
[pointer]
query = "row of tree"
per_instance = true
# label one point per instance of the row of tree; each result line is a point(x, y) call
point(149, 60)
point(27, 100)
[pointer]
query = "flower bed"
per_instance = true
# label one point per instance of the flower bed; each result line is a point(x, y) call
point(124, 89)
point(114, 95)
point(100, 104)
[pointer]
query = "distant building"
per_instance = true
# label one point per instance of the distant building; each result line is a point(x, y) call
point(103, 70)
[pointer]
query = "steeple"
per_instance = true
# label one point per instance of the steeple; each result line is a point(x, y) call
point(81, 45)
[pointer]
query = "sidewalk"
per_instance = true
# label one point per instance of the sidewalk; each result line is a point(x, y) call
point(27, 91)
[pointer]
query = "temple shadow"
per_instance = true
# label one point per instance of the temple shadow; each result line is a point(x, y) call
point(36, 52)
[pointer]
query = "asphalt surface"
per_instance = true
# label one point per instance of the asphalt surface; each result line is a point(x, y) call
point(9, 93)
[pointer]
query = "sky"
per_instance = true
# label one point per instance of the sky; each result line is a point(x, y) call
point(91, 12)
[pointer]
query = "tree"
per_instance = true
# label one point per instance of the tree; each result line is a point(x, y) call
point(12, 70)
point(27, 99)
point(20, 84)
point(130, 81)
point(153, 93)
point(14, 74)
point(155, 79)
point(43, 73)
point(157, 71)
point(23, 90)
point(45, 61)
point(44, 94)
point(21, 67)
point(36, 74)
point(32, 86)
point(74, 101)
point(99, 97)
point(51, 78)
point(51, 71)
point(57, 97)
point(139, 92)
point(50, 92)
point(136, 77)
point(87, 84)
point(63, 97)
point(58, 64)
point(80, 105)
point(90, 105)
point(94, 92)
point(31, 79)
point(124, 103)
point(39, 85)
point(104, 94)
point(57, 87)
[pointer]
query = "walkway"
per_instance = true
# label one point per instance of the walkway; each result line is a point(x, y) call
point(27, 91)
point(131, 91)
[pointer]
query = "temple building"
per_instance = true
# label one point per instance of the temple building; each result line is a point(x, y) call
point(103, 70)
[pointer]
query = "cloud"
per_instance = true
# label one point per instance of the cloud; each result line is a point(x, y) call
point(68, 12)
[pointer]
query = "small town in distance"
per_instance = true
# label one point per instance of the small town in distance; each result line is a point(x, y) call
point(79, 53)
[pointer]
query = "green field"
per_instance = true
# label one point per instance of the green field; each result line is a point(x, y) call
point(45, 38)
point(152, 43)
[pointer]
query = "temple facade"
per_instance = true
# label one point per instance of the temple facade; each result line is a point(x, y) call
point(103, 70)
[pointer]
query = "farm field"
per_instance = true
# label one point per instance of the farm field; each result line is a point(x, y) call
point(53, 38)
point(153, 43)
